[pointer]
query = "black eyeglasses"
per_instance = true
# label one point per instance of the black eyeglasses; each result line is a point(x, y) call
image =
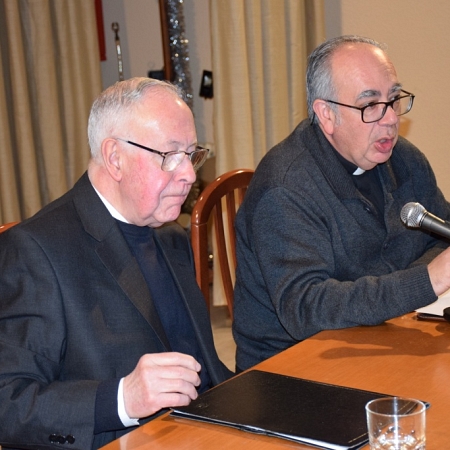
point(171, 160)
point(373, 112)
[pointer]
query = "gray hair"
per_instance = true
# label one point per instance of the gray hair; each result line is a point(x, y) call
point(319, 78)
point(115, 105)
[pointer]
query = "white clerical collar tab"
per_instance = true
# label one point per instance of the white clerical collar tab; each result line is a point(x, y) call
point(358, 171)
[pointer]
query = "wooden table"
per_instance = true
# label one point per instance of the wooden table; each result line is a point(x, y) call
point(405, 357)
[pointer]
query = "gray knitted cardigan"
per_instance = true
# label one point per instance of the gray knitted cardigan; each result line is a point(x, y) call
point(312, 254)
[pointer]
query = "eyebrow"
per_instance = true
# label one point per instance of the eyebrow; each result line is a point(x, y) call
point(373, 93)
point(179, 144)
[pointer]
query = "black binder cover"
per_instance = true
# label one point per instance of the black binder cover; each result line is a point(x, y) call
point(313, 413)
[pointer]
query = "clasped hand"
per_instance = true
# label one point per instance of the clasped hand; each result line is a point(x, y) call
point(160, 380)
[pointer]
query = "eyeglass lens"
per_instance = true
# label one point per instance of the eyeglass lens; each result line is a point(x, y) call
point(173, 160)
point(373, 113)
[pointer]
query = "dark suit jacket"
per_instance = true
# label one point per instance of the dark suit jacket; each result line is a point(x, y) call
point(74, 311)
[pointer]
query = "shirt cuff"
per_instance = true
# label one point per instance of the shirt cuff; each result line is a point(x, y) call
point(126, 420)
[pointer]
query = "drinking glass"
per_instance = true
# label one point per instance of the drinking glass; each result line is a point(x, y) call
point(396, 423)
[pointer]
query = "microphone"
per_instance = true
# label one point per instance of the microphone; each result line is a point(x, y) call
point(416, 216)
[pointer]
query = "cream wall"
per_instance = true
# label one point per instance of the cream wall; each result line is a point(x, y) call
point(417, 34)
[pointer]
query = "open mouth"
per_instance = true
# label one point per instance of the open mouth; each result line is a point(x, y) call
point(385, 145)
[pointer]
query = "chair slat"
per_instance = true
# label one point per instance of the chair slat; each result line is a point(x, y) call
point(232, 187)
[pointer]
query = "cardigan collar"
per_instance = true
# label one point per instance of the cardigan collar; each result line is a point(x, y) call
point(339, 178)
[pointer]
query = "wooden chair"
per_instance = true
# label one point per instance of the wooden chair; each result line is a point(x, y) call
point(7, 225)
point(231, 187)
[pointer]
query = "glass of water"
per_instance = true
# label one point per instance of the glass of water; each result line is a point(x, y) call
point(396, 423)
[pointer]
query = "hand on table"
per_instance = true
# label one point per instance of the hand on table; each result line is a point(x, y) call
point(160, 380)
point(439, 272)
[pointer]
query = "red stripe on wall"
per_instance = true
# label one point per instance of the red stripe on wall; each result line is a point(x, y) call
point(100, 29)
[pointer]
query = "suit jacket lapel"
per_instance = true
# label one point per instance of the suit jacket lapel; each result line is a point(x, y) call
point(128, 275)
point(115, 254)
point(181, 270)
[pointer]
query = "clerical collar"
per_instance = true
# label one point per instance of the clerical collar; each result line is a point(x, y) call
point(113, 211)
point(358, 171)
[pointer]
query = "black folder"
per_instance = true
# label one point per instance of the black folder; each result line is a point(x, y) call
point(318, 414)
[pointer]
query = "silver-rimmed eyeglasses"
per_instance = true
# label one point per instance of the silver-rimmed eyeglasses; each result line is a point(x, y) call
point(375, 111)
point(171, 160)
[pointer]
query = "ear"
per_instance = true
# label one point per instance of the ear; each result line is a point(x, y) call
point(111, 156)
point(327, 117)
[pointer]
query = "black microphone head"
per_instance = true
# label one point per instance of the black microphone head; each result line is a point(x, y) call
point(412, 214)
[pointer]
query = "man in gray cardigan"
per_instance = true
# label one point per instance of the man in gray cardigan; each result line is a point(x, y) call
point(320, 243)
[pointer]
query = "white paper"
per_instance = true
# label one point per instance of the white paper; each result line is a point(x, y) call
point(437, 308)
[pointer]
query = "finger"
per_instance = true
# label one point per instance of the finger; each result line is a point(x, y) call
point(178, 385)
point(175, 359)
point(172, 400)
point(176, 373)
point(166, 393)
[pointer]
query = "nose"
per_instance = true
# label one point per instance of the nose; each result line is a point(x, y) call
point(389, 118)
point(186, 171)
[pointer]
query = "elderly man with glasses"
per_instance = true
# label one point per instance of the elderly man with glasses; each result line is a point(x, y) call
point(102, 324)
point(320, 242)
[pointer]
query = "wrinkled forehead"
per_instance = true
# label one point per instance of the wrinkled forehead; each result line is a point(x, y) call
point(158, 105)
point(360, 67)
point(164, 121)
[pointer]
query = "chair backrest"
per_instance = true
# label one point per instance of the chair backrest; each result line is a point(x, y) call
point(7, 225)
point(231, 187)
